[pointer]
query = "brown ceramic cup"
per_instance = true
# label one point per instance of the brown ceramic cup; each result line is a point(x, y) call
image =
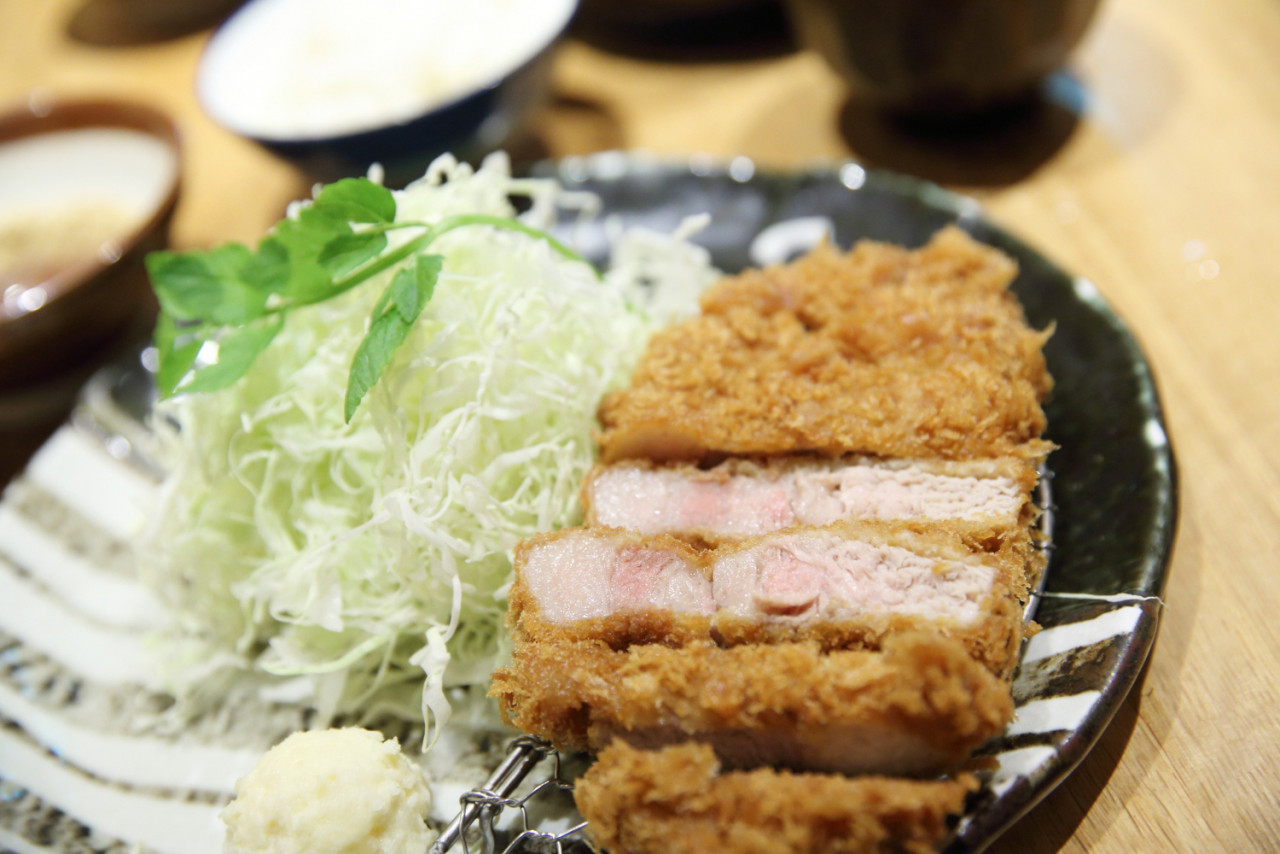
point(942, 58)
point(56, 318)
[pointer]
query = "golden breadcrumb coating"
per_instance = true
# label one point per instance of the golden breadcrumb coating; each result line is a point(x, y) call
point(677, 801)
point(880, 350)
point(922, 690)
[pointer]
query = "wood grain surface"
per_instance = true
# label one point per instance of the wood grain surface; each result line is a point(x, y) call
point(1160, 182)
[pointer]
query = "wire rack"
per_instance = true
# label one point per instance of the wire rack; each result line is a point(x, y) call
point(499, 816)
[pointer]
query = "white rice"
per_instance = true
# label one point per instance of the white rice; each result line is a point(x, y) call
point(285, 69)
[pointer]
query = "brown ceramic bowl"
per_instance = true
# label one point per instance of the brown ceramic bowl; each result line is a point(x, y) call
point(658, 13)
point(127, 22)
point(942, 58)
point(87, 189)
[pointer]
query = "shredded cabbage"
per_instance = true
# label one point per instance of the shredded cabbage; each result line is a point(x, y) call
point(372, 559)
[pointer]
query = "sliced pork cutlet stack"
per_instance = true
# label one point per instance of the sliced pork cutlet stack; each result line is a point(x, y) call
point(616, 635)
point(679, 800)
point(885, 351)
point(849, 585)
point(917, 707)
point(742, 497)
point(808, 548)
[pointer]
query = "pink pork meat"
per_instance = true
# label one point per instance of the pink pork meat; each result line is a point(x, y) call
point(847, 585)
point(610, 584)
point(744, 498)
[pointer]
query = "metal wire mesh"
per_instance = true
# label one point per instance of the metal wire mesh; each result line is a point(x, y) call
point(495, 818)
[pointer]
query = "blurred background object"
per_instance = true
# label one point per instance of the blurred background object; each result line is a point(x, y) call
point(136, 22)
point(87, 189)
point(335, 86)
point(943, 61)
point(687, 30)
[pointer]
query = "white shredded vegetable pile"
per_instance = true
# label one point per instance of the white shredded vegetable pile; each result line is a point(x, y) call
point(370, 561)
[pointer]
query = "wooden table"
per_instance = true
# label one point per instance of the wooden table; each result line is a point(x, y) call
point(1166, 193)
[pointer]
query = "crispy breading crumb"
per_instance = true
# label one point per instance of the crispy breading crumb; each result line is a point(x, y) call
point(881, 350)
point(924, 703)
point(676, 800)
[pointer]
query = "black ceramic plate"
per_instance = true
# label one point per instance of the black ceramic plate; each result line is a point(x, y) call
point(77, 774)
point(1113, 473)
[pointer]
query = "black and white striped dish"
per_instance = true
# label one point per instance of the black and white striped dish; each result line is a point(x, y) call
point(84, 766)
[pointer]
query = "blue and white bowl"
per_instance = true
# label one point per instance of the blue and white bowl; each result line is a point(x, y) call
point(336, 86)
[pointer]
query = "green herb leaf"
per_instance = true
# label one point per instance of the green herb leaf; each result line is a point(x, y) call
point(346, 252)
point(174, 366)
point(302, 241)
point(393, 318)
point(357, 200)
point(174, 359)
point(229, 260)
point(309, 282)
point(412, 288)
point(237, 351)
point(385, 336)
point(268, 268)
point(205, 286)
point(186, 286)
point(306, 236)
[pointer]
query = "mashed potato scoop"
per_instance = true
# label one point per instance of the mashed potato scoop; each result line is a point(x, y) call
point(336, 791)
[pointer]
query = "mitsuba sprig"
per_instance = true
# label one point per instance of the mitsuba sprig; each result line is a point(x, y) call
point(220, 308)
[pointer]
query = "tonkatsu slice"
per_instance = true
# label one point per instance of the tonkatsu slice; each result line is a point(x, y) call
point(848, 585)
point(917, 707)
point(885, 351)
point(678, 800)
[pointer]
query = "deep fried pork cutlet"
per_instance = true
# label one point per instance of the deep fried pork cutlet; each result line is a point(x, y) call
point(808, 547)
point(918, 707)
point(848, 585)
point(748, 497)
point(883, 351)
point(678, 801)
